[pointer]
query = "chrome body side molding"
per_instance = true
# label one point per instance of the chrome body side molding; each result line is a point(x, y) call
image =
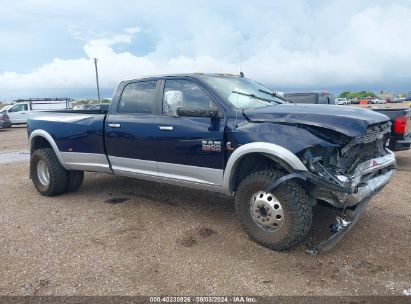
point(86, 162)
point(192, 174)
point(132, 165)
point(173, 181)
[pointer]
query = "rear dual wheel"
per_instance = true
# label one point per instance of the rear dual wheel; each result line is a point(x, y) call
point(49, 176)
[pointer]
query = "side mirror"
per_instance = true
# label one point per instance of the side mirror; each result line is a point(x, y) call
point(193, 112)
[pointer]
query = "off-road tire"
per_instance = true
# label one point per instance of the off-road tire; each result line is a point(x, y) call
point(74, 180)
point(57, 174)
point(295, 203)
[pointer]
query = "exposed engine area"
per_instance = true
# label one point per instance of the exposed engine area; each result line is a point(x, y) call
point(348, 169)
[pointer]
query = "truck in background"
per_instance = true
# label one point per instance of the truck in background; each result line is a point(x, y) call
point(311, 97)
point(400, 118)
point(400, 138)
point(18, 113)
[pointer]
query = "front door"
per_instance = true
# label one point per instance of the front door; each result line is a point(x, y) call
point(130, 132)
point(189, 148)
point(18, 113)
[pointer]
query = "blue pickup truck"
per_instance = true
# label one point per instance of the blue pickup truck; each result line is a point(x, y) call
point(226, 134)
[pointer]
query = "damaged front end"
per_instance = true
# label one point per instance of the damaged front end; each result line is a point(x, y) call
point(346, 174)
point(359, 167)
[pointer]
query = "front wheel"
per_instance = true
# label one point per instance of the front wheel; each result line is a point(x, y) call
point(279, 219)
point(48, 175)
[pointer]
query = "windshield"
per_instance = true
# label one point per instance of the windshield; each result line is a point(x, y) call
point(242, 93)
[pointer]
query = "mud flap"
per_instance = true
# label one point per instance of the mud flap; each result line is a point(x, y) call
point(341, 228)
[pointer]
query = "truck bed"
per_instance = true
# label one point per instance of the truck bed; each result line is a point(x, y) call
point(73, 131)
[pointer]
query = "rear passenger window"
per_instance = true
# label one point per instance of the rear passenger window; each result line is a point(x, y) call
point(138, 97)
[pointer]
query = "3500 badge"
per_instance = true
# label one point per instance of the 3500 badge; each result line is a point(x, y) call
point(211, 145)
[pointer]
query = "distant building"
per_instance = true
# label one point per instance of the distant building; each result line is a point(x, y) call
point(386, 95)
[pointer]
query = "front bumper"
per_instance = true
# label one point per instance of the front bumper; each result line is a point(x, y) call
point(341, 191)
point(369, 177)
point(355, 193)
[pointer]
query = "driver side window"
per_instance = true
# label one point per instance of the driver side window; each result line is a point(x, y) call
point(184, 93)
point(18, 108)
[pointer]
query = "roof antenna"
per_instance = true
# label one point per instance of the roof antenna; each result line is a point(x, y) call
point(241, 61)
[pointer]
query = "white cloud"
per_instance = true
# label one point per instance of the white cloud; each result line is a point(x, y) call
point(132, 30)
point(285, 44)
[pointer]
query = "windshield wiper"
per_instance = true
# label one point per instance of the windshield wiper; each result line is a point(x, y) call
point(254, 96)
point(275, 95)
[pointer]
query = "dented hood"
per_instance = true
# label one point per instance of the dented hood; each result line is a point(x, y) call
point(347, 120)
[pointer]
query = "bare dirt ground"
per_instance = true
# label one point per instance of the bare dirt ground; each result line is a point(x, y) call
point(119, 236)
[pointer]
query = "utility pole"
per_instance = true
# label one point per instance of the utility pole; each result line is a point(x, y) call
point(98, 87)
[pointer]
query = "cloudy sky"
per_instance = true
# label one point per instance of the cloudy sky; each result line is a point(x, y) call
point(46, 46)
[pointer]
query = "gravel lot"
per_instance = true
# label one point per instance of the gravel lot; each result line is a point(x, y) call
point(160, 239)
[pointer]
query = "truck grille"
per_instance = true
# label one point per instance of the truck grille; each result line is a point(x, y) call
point(368, 146)
point(374, 133)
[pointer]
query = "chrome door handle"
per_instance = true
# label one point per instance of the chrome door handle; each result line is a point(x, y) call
point(114, 125)
point(166, 128)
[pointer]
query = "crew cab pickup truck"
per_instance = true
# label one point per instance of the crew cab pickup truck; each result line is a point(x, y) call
point(225, 134)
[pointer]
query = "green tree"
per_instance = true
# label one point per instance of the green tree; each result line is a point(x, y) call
point(358, 95)
point(345, 94)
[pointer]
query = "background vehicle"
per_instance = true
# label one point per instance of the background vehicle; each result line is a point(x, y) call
point(376, 101)
point(400, 138)
point(18, 113)
point(101, 106)
point(225, 134)
point(312, 97)
point(342, 101)
point(83, 107)
point(6, 107)
point(4, 121)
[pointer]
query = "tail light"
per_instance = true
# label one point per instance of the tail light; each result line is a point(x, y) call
point(400, 125)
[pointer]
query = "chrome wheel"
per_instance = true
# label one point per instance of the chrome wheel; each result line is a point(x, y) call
point(266, 211)
point(43, 173)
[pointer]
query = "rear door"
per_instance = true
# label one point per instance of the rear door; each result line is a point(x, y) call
point(131, 129)
point(18, 113)
point(189, 148)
